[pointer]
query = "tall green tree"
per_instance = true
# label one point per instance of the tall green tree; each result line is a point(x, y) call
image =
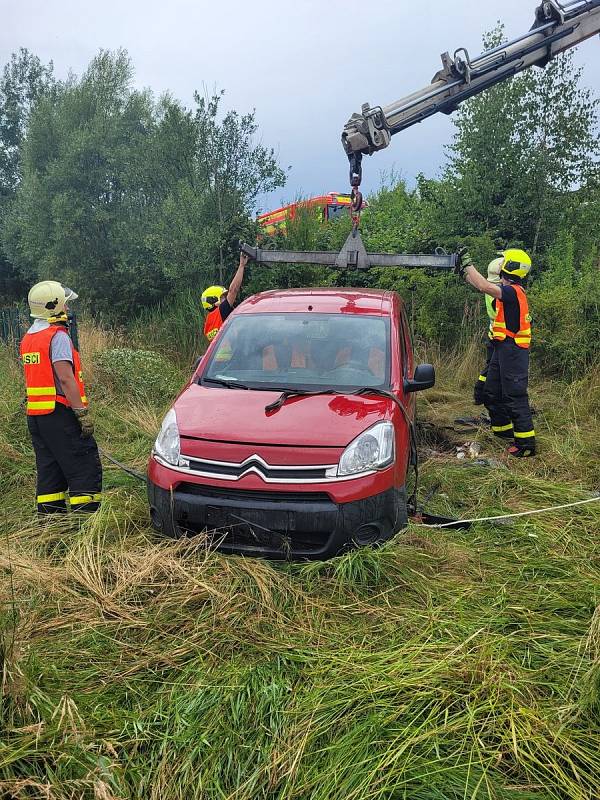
point(79, 212)
point(232, 168)
point(24, 80)
point(520, 150)
point(129, 198)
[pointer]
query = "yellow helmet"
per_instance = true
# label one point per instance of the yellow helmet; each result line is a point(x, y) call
point(47, 299)
point(517, 263)
point(212, 296)
point(494, 267)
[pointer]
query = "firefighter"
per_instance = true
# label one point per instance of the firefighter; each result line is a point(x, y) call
point(218, 301)
point(58, 419)
point(505, 394)
point(493, 276)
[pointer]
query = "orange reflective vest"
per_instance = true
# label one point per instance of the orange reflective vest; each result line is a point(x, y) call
point(39, 375)
point(212, 323)
point(522, 337)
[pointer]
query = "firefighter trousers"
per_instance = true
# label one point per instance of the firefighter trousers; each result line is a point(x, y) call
point(65, 462)
point(506, 396)
point(479, 388)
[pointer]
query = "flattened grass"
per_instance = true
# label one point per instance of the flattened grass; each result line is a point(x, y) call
point(446, 665)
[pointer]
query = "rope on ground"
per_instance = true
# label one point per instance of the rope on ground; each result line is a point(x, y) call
point(512, 516)
point(134, 473)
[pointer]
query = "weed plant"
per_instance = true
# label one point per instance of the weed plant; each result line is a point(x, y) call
point(446, 665)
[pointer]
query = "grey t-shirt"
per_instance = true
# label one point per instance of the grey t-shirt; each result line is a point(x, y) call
point(61, 349)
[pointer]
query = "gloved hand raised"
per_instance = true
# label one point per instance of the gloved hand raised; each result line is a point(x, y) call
point(85, 422)
point(463, 260)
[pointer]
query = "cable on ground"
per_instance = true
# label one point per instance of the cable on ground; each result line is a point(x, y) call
point(134, 473)
point(512, 516)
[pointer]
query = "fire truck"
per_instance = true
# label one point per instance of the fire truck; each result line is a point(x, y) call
point(326, 207)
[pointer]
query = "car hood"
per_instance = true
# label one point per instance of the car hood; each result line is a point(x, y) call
point(236, 415)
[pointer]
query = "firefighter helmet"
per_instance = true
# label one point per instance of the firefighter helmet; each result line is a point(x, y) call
point(212, 296)
point(48, 299)
point(494, 267)
point(517, 264)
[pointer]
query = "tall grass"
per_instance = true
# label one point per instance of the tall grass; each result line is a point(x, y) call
point(443, 666)
point(174, 328)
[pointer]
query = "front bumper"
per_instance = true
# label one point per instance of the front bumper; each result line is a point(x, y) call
point(276, 524)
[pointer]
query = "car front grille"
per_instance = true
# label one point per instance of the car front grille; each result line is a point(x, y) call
point(235, 471)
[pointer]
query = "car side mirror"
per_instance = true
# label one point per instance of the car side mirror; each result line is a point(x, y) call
point(424, 378)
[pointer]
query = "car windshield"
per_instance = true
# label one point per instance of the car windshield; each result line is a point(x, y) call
point(302, 351)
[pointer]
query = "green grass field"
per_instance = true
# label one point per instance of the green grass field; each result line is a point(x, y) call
point(447, 665)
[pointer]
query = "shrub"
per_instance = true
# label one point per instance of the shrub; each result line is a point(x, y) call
point(140, 373)
point(565, 306)
point(566, 321)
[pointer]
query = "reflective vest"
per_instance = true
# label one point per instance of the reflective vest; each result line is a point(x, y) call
point(490, 305)
point(522, 337)
point(212, 323)
point(39, 375)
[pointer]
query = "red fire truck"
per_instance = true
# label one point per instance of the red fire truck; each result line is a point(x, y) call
point(326, 206)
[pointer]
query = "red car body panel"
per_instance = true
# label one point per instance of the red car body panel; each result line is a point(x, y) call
point(230, 415)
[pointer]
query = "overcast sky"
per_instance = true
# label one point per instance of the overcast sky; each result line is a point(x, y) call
point(304, 65)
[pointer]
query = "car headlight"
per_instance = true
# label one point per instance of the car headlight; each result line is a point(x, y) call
point(167, 445)
point(373, 449)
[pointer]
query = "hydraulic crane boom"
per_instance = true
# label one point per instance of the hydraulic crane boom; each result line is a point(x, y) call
point(558, 26)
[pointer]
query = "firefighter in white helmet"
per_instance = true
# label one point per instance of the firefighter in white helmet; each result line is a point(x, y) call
point(218, 301)
point(61, 430)
point(493, 276)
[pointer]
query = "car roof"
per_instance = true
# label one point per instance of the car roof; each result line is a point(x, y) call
point(322, 301)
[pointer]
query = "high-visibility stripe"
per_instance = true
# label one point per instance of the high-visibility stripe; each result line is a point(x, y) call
point(502, 428)
point(526, 435)
point(50, 498)
point(483, 378)
point(40, 405)
point(84, 398)
point(522, 337)
point(36, 391)
point(85, 498)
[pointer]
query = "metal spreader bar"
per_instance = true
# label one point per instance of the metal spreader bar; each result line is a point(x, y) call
point(353, 255)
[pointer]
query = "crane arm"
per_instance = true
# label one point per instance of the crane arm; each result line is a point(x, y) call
point(558, 26)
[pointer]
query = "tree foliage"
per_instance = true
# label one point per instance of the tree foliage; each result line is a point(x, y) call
point(23, 82)
point(520, 150)
point(139, 202)
point(129, 198)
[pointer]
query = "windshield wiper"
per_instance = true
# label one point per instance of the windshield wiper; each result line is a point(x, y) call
point(286, 393)
point(223, 382)
point(363, 390)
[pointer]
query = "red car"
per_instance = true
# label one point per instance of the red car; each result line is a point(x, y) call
point(295, 435)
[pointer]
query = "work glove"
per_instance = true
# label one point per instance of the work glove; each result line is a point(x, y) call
point(463, 260)
point(85, 422)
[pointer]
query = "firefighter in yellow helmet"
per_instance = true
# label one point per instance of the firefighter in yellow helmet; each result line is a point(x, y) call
point(505, 393)
point(218, 301)
point(58, 419)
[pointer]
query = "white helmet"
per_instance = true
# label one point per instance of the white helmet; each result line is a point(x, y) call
point(48, 299)
point(494, 267)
